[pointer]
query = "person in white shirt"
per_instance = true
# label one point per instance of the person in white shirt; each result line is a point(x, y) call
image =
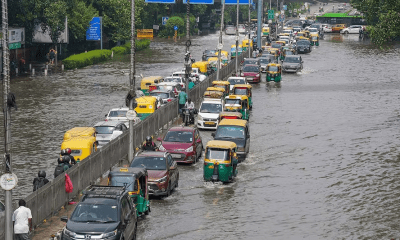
point(22, 219)
point(189, 104)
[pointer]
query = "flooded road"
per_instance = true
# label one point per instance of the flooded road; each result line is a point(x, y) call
point(323, 162)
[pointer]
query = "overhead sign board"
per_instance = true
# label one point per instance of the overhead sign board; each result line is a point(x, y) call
point(285, 7)
point(164, 20)
point(14, 45)
point(160, 1)
point(93, 33)
point(199, 1)
point(234, 2)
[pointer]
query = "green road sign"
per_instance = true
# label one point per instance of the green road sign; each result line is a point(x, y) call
point(14, 45)
point(270, 16)
point(271, 12)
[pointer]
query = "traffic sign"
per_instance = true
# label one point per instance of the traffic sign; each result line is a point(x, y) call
point(270, 16)
point(234, 2)
point(164, 20)
point(271, 12)
point(94, 31)
point(199, 1)
point(160, 1)
point(8, 181)
point(175, 28)
point(285, 7)
point(15, 45)
point(131, 115)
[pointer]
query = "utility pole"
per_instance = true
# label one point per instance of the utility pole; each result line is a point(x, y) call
point(7, 119)
point(220, 39)
point(188, 68)
point(249, 32)
point(260, 6)
point(237, 36)
point(132, 93)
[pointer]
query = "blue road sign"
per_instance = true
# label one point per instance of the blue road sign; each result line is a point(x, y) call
point(164, 20)
point(199, 1)
point(175, 28)
point(160, 1)
point(241, 2)
point(93, 33)
point(285, 7)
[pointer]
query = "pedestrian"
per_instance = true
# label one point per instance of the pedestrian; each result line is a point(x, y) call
point(52, 55)
point(22, 64)
point(182, 99)
point(40, 181)
point(22, 219)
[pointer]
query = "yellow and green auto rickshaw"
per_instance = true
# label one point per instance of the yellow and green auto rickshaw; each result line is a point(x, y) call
point(202, 66)
point(81, 147)
point(233, 50)
point(145, 106)
point(245, 44)
point(223, 53)
point(213, 94)
point(274, 72)
point(243, 89)
point(314, 39)
point(213, 62)
point(265, 31)
point(229, 115)
point(219, 89)
point(80, 132)
point(283, 43)
point(222, 84)
point(238, 103)
point(275, 52)
point(220, 161)
point(150, 81)
point(287, 52)
point(135, 182)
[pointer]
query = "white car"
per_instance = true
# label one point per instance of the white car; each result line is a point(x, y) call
point(170, 86)
point(108, 130)
point(352, 29)
point(196, 73)
point(327, 28)
point(207, 117)
point(313, 30)
point(119, 114)
point(241, 28)
point(236, 80)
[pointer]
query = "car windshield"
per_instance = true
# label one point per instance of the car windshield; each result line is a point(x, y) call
point(220, 86)
point(232, 101)
point(264, 60)
point(253, 69)
point(276, 45)
point(217, 154)
point(313, 30)
point(179, 136)
point(292, 59)
point(159, 94)
point(234, 81)
point(289, 53)
point(273, 68)
point(121, 181)
point(104, 129)
point(287, 31)
point(303, 43)
point(118, 113)
point(178, 80)
point(211, 108)
point(164, 87)
point(249, 62)
point(150, 163)
point(227, 132)
point(240, 91)
point(100, 213)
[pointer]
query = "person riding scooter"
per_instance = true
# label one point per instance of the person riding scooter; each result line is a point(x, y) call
point(190, 105)
point(149, 145)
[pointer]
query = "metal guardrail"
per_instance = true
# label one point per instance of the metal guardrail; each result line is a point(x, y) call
point(47, 200)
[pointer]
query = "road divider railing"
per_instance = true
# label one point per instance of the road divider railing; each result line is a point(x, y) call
point(50, 198)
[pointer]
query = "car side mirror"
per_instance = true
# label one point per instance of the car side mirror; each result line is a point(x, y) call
point(64, 219)
point(159, 139)
point(213, 134)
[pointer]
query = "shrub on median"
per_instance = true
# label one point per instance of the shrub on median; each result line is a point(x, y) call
point(125, 49)
point(86, 59)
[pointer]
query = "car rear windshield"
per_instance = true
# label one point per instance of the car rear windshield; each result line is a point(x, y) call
point(121, 181)
point(119, 113)
point(104, 129)
point(211, 108)
point(179, 136)
point(159, 94)
point(217, 154)
point(228, 132)
point(303, 43)
point(248, 68)
point(241, 91)
point(276, 45)
point(150, 163)
point(264, 60)
point(234, 81)
point(250, 62)
point(178, 80)
point(100, 213)
point(164, 87)
point(292, 59)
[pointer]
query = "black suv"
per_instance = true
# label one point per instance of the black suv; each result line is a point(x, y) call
point(105, 212)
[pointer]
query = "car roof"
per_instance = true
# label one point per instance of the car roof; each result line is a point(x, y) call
point(182, 129)
point(168, 84)
point(221, 144)
point(160, 91)
point(108, 123)
point(151, 154)
point(251, 65)
point(138, 172)
point(234, 122)
point(121, 108)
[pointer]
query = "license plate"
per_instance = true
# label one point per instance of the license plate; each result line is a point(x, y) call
point(176, 155)
point(209, 123)
point(249, 78)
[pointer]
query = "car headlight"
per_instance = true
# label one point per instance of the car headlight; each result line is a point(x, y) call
point(163, 179)
point(189, 149)
point(240, 149)
point(199, 118)
point(109, 234)
point(69, 233)
point(161, 148)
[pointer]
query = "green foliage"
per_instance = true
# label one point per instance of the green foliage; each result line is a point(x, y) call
point(55, 19)
point(79, 16)
point(126, 48)
point(169, 27)
point(86, 59)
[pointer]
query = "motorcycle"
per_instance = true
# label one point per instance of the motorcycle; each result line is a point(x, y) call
point(188, 116)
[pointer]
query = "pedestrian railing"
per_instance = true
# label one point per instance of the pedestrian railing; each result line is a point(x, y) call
point(48, 199)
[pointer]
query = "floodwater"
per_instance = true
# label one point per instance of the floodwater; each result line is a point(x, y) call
point(323, 161)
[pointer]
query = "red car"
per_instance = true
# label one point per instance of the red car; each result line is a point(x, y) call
point(162, 170)
point(252, 73)
point(184, 144)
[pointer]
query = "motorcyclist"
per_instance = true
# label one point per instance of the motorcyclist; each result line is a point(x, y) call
point(40, 181)
point(190, 105)
point(68, 157)
point(149, 145)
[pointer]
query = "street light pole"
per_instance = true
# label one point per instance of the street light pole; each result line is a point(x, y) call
point(220, 39)
point(132, 91)
point(237, 36)
point(249, 32)
point(187, 62)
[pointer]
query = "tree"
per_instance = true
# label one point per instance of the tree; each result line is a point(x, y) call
point(54, 16)
point(79, 16)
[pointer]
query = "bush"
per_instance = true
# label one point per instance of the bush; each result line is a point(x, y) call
point(85, 59)
point(126, 48)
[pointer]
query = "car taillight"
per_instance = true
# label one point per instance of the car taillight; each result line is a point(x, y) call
point(169, 100)
point(227, 165)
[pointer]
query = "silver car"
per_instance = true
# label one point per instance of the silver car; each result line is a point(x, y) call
point(108, 130)
point(264, 62)
point(230, 30)
point(292, 63)
point(165, 95)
